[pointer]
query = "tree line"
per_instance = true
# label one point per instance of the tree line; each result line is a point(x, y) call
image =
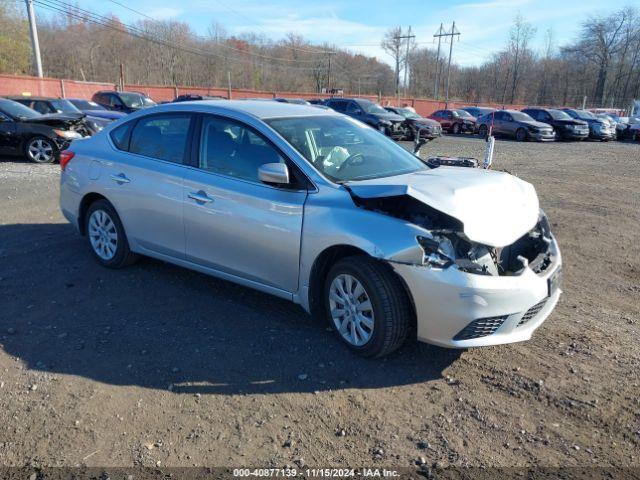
point(601, 64)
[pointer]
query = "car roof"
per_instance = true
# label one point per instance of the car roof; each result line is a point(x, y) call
point(27, 97)
point(256, 108)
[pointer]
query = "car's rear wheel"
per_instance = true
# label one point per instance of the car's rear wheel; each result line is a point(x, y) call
point(521, 134)
point(483, 131)
point(367, 306)
point(40, 149)
point(106, 236)
point(456, 128)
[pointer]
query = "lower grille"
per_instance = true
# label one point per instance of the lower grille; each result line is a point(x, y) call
point(532, 312)
point(480, 328)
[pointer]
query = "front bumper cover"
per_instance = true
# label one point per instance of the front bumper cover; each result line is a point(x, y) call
point(448, 300)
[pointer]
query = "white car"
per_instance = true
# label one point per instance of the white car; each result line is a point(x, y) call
point(321, 209)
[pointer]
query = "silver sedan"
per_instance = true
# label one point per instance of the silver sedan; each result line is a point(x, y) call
point(318, 208)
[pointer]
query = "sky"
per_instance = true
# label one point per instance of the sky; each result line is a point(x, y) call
point(359, 25)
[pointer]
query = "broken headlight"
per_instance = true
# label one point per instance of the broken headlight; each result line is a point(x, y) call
point(442, 251)
point(438, 251)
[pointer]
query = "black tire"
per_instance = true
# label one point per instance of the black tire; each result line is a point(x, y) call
point(123, 255)
point(36, 140)
point(521, 135)
point(483, 131)
point(393, 314)
point(456, 129)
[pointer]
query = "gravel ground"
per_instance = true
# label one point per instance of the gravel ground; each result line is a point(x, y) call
point(156, 365)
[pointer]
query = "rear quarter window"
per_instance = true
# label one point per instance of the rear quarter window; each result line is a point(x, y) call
point(120, 136)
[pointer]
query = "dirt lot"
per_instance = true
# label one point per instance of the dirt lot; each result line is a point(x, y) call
point(158, 365)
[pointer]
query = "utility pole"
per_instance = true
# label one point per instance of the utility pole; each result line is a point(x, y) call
point(397, 38)
point(451, 34)
point(409, 37)
point(329, 74)
point(35, 44)
point(436, 86)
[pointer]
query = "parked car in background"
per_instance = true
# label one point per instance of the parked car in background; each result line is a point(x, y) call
point(313, 207)
point(515, 124)
point(39, 138)
point(49, 105)
point(478, 111)
point(455, 121)
point(192, 97)
point(296, 101)
point(126, 102)
point(391, 124)
point(599, 129)
point(92, 109)
point(428, 128)
point(566, 128)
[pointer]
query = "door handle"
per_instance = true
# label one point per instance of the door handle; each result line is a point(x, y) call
point(200, 197)
point(120, 178)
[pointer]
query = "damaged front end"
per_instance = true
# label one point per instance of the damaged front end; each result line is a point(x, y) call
point(445, 245)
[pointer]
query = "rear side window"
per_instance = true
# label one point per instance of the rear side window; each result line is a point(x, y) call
point(161, 136)
point(120, 136)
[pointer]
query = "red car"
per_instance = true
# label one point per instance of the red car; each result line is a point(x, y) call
point(455, 121)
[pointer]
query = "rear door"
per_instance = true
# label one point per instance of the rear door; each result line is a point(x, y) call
point(9, 141)
point(234, 223)
point(144, 179)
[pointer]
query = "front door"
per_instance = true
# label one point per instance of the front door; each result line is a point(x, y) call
point(234, 223)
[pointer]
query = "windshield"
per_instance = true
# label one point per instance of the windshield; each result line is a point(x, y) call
point(64, 106)
point(17, 110)
point(520, 117)
point(136, 100)
point(463, 113)
point(406, 113)
point(86, 105)
point(559, 115)
point(584, 115)
point(343, 149)
point(370, 107)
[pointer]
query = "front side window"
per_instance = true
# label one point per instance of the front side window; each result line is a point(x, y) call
point(161, 136)
point(232, 149)
point(520, 117)
point(343, 149)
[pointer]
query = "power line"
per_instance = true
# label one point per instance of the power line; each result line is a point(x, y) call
point(85, 15)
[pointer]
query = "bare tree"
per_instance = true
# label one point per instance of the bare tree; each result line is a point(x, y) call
point(519, 37)
point(392, 44)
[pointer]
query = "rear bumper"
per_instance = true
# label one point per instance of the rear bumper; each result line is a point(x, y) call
point(447, 301)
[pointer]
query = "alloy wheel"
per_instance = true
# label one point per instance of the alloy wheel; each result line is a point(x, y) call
point(40, 150)
point(103, 235)
point(351, 309)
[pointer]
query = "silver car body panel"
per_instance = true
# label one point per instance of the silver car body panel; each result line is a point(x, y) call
point(268, 238)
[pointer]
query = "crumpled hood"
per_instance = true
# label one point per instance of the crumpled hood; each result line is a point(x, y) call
point(495, 208)
point(58, 119)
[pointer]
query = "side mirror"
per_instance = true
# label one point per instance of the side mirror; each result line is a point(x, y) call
point(274, 173)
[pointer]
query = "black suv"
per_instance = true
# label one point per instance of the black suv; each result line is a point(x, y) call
point(127, 102)
point(372, 114)
point(566, 128)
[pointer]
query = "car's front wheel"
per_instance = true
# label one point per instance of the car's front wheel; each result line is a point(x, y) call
point(106, 236)
point(483, 131)
point(521, 134)
point(367, 306)
point(456, 128)
point(40, 149)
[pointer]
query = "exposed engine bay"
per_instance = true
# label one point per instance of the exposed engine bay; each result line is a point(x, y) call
point(448, 245)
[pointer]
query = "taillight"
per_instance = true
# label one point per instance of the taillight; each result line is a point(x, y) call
point(65, 157)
